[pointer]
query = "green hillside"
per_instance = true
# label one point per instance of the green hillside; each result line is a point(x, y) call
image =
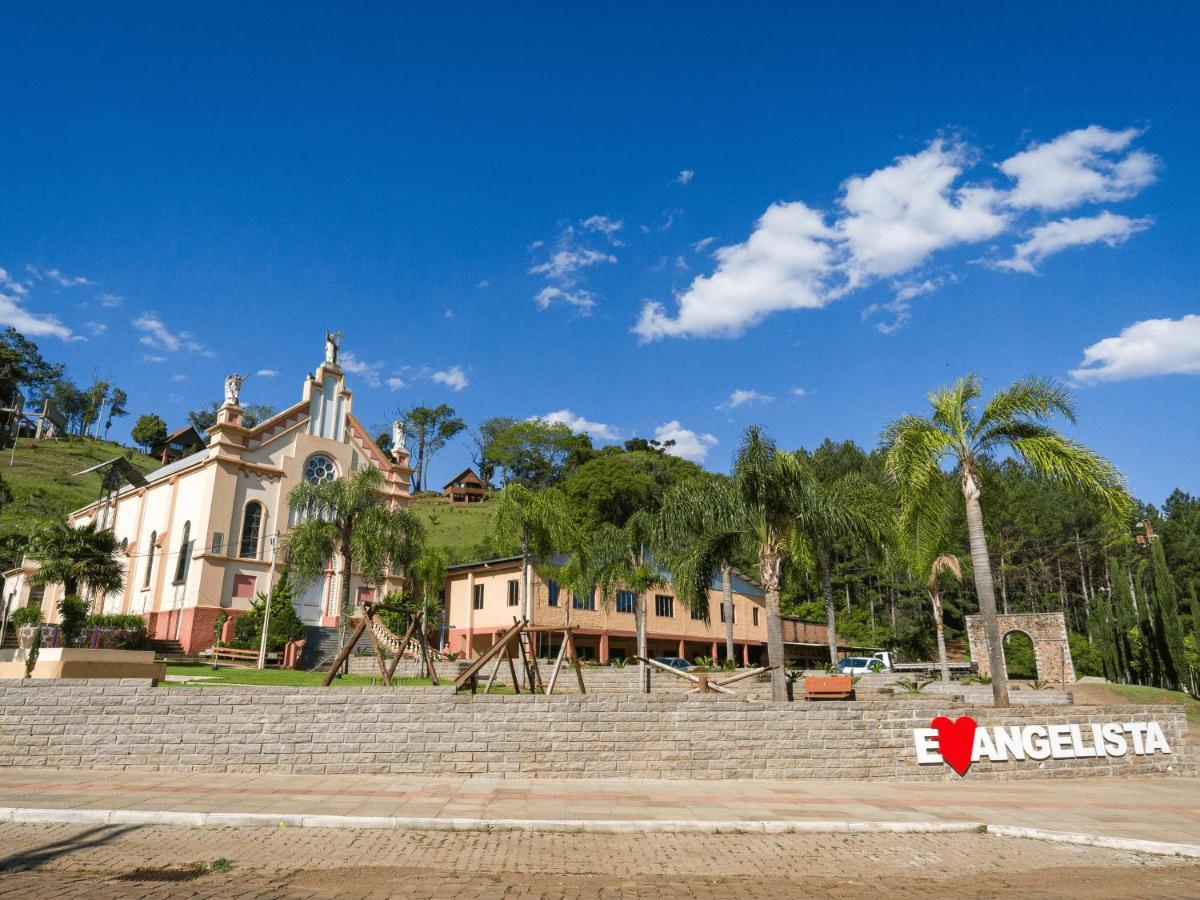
point(44, 486)
point(459, 529)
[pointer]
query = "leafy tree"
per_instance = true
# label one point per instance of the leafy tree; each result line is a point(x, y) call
point(536, 453)
point(22, 366)
point(205, 417)
point(1016, 418)
point(74, 555)
point(642, 445)
point(285, 625)
point(535, 521)
point(350, 518)
point(117, 408)
point(148, 430)
point(484, 439)
point(612, 487)
point(428, 429)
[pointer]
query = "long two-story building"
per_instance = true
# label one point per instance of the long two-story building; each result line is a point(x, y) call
point(482, 599)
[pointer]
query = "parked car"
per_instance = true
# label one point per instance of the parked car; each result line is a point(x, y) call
point(861, 665)
point(674, 662)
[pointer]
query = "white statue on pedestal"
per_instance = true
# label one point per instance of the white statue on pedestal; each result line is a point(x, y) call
point(333, 340)
point(398, 437)
point(233, 387)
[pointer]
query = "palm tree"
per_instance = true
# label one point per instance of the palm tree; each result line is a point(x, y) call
point(775, 493)
point(1016, 419)
point(535, 521)
point(946, 564)
point(349, 517)
point(843, 511)
point(77, 554)
point(624, 562)
point(702, 526)
point(429, 569)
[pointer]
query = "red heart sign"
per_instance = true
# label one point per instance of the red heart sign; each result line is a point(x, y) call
point(956, 741)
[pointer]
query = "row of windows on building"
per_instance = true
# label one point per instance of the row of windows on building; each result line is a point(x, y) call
point(664, 604)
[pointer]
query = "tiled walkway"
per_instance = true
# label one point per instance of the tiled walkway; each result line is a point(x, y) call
point(1163, 809)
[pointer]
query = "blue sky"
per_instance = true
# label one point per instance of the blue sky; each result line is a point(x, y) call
point(822, 213)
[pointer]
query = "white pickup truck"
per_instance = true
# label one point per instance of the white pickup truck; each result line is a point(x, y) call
point(862, 665)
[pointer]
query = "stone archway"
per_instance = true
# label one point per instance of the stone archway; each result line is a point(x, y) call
point(1048, 631)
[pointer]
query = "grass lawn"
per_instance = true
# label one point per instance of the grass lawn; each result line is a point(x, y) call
point(43, 480)
point(290, 677)
point(1140, 694)
point(456, 528)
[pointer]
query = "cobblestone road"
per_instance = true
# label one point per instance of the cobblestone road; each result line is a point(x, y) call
point(159, 862)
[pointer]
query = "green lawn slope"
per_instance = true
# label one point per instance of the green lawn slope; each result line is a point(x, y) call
point(44, 485)
point(456, 528)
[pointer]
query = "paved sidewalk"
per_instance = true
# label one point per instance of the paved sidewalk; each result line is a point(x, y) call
point(1163, 809)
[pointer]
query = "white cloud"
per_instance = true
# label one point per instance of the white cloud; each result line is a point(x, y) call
point(59, 278)
point(598, 430)
point(702, 243)
point(179, 377)
point(453, 378)
point(396, 384)
point(896, 217)
point(688, 444)
point(1150, 347)
point(782, 265)
point(267, 373)
point(448, 314)
point(10, 284)
point(31, 324)
point(602, 224)
point(484, 283)
point(581, 299)
point(890, 223)
point(151, 358)
point(157, 335)
point(568, 261)
point(368, 372)
point(685, 176)
point(742, 397)
point(1053, 237)
point(96, 328)
point(1088, 165)
point(110, 300)
point(800, 392)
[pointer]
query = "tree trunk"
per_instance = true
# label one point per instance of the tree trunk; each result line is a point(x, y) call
point(639, 618)
point(830, 615)
point(525, 572)
point(768, 571)
point(936, 599)
point(71, 586)
point(984, 588)
point(1003, 585)
point(727, 601)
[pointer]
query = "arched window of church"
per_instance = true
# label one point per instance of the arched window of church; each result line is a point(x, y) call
point(251, 525)
point(185, 554)
point(150, 559)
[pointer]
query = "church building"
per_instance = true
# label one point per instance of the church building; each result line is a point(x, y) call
point(198, 537)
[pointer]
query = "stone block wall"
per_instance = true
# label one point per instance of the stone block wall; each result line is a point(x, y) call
point(130, 725)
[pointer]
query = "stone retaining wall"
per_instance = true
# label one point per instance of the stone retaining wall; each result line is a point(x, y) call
point(422, 731)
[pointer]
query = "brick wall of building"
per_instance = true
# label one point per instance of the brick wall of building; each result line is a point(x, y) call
point(130, 725)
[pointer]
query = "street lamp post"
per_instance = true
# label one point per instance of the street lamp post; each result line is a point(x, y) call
point(266, 625)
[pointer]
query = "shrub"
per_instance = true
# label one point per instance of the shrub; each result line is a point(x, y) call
point(130, 621)
point(121, 631)
point(285, 624)
point(1085, 656)
point(72, 619)
point(27, 615)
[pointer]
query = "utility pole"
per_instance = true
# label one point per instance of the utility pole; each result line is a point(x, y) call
point(273, 540)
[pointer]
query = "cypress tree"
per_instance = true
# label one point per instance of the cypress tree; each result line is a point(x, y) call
point(1168, 630)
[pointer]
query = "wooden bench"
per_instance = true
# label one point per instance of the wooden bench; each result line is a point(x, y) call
point(832, 687)
point(233, 654)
